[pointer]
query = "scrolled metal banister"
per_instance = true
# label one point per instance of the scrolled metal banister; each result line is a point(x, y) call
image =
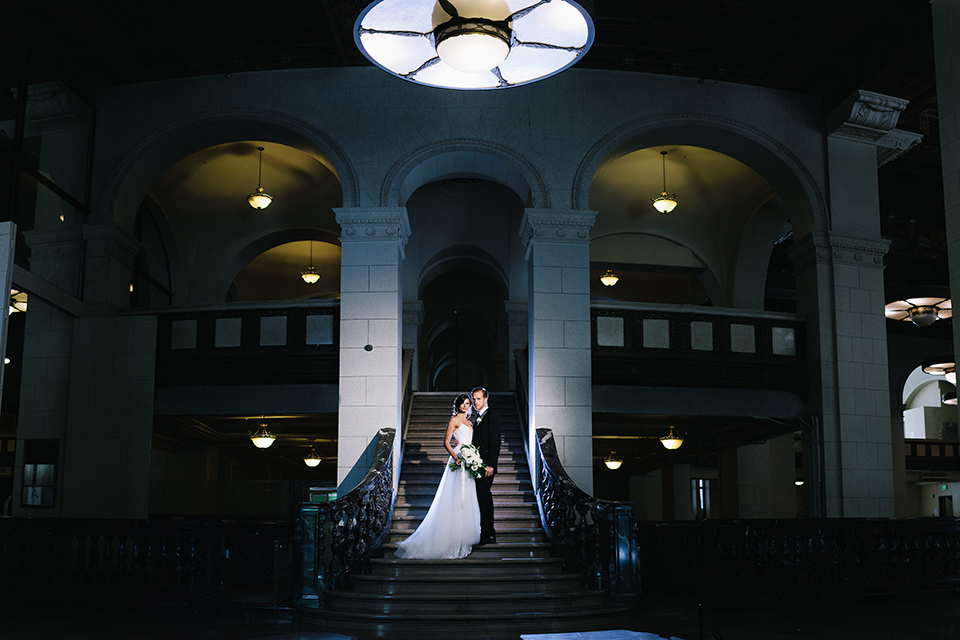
point(597, 537)
point(350, 530)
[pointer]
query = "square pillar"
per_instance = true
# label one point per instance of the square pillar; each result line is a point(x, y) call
point(371, 332)
point(559, 368)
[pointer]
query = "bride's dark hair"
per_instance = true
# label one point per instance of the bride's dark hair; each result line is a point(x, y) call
point(459, 401)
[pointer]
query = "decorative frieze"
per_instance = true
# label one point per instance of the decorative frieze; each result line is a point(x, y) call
point(556, 225)
point(110, 241)
point(516, 313)
point(818, 247)
point(413, 313)
point(376, 224)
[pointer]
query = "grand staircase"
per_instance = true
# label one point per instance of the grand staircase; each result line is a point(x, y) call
point(499, 591)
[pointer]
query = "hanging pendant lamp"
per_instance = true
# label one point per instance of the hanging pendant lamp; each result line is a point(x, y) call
point(609, 278)
point(310, 276)
point(613, 461)
point(312, 459)
point(262, 438)
point(665, 202)
point(260, 199)
point(672, 440)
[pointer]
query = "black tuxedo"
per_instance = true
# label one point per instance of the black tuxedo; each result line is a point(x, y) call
point(486, 436)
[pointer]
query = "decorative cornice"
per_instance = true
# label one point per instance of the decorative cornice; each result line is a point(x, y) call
point(374, 224)
point(818, 247)
point(413, 312)
point(517, 312)
point(556, 225)
point(872, 118)
point(110, 241)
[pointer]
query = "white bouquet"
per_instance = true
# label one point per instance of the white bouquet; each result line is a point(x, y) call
point(471, 461)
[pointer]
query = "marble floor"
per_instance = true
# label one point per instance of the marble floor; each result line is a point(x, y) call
point(883, 618)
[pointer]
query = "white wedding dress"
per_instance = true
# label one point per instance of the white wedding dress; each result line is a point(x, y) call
point(452, 525)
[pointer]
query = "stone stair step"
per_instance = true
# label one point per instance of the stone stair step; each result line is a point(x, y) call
point(497, 604)
point(512, 584)
point(500, 522)
point(469, 626)
point(519, 534)
point(499, 550)
point(466, 567)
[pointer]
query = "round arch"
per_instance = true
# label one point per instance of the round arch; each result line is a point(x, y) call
point(134, 173)
point(464, 158)
point(269, 241)
point(769, 158)
point(467, 258)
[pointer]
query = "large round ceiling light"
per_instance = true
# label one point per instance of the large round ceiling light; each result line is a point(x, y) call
point(474, 44)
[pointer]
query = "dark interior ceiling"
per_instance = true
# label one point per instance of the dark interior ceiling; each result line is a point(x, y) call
point(827, 49)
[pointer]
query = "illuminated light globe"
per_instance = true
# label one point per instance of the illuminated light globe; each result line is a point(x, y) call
point(665, 202)
point(262, 439)
point(609, 278)
point(672, 440)
point(312, 459)
point(472, 47)
point(474, 44)
point(613, 461)
point(310, 276)
point(259, 199)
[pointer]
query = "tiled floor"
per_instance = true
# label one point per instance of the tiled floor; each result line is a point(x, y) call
point(914, 618)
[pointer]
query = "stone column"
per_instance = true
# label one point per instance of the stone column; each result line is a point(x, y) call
point(946, 47)
point(559, 369)
point(840, 288)
point(372, 241)
point(109, 255)
point(517, 335)
point(412, 320)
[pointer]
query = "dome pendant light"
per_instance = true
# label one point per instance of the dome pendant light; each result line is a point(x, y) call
point(613, 461)
point(473, 44)
point(310, 276)
point(312, 459)
point(609, 278)
point(262, 438)
point(665, 202)
point(672, 440)
point(260, 199)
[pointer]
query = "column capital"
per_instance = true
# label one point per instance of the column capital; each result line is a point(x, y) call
point(110, 241)
point(571, 226)
point(516, 312)
point(872, 118)
point(818, 247)
point(374, 224)
point(413, 312)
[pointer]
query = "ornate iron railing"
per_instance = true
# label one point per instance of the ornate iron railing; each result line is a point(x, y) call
point(162, 562)
point(339, 538)
point(597, 537)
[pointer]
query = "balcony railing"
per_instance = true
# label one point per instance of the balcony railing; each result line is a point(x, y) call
point(291, 342)
point(687, 346)
point(932, 455)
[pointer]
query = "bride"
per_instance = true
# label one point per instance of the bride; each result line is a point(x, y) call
point(452, 525)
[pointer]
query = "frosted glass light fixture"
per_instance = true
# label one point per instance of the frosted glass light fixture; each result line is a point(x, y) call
point(260, 199)
point(312, 459)
point(609, 278)
point(941, 366)
point(310, 276)
point(672, 440)
point(665, 202)
point(613, 461)
point(18, 302)
point(262, 438)
point(922, 311)
point(474, 44)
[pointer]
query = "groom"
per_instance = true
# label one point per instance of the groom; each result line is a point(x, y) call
point(486, 435)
